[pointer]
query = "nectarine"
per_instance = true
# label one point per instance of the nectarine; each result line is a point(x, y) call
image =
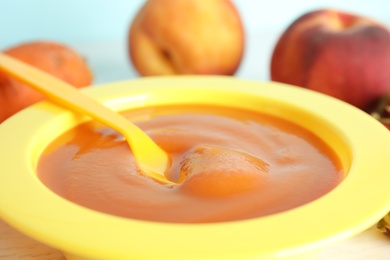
point(54, 58)
point(337, 53)
point(186, 37)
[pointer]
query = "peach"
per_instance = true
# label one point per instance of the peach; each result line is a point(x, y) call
point(186, 37)
point(337, 53)
point(54, 58)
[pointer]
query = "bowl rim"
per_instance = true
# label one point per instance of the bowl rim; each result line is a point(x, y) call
point(31, 207)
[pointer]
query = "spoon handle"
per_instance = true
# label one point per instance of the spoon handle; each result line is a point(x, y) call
point(148, 154)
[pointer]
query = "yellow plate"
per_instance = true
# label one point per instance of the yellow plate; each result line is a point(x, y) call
point(360, 200)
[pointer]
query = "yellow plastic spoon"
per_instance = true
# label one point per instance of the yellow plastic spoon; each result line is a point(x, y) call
point(152, 160)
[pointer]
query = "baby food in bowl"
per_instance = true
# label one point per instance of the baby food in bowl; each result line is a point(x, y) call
point(230, 164)
point(264, 170)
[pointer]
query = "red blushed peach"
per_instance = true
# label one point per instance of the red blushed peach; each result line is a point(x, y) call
point(186, 37)
point(340, 54)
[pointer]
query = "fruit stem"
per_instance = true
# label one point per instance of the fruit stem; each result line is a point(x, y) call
point(381, 108)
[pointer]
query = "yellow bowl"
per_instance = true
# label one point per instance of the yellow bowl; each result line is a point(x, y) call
point(358, 202)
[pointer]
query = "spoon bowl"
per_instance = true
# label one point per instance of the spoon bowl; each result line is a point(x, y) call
point(152, 160)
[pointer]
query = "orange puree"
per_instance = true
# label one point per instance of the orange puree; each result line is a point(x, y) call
point(231, 165)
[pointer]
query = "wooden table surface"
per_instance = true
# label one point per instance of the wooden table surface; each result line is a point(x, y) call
point(370, 244)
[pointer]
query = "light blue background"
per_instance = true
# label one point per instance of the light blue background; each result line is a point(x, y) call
point(98, 28)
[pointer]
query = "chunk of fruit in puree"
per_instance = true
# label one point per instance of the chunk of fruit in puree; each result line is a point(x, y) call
point(217, 171)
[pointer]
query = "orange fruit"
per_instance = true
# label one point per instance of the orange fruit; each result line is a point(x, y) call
point(54, 58)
